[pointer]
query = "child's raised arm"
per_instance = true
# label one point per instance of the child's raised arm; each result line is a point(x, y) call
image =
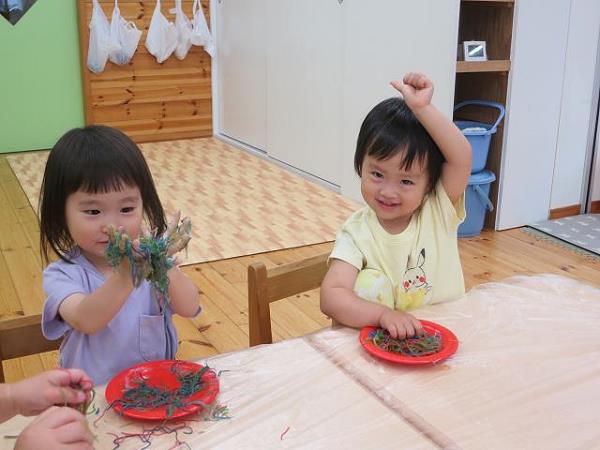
point(92, 312)
point(183, 294)
point(417, 91)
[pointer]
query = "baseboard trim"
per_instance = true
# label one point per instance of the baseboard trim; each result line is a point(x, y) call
point(264, 155)
point(595, 207)
point(565, 211)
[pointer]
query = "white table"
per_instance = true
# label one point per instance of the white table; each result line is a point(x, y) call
point(526, 375)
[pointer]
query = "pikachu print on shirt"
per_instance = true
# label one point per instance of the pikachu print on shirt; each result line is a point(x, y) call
point(411, 292)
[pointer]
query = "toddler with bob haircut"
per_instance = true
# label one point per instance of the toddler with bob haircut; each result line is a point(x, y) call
point(401, 251)
point(95, 178)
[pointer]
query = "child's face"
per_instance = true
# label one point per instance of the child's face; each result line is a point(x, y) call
point(393, 193)
point(87, 215)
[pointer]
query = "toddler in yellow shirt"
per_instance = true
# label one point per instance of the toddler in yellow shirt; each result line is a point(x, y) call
point(401, 251)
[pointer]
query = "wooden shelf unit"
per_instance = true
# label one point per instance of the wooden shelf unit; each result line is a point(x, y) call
point(490, 21)
point(483, 66)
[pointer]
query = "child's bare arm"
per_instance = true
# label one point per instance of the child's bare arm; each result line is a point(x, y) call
point(417, 91)
point(91, 313)
point(339, 302)
point(183, 294)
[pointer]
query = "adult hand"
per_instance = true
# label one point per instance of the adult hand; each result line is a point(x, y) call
point(416, 89)
point(57, 428)
point(400, 324)
point(60, 386)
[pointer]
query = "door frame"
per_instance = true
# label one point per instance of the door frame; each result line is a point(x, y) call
point(593, 142)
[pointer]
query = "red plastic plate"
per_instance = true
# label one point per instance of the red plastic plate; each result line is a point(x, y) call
point(159, 374)
point(449, 346)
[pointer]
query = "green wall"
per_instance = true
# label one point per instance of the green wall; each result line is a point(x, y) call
point(40, 81)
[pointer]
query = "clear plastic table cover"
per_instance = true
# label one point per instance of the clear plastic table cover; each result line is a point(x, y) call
point(526, 375)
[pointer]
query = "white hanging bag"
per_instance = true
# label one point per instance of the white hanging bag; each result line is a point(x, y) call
point(184, 31)
point(162, 36)
point(200, 32)
point(101, 42)
point(126, 34)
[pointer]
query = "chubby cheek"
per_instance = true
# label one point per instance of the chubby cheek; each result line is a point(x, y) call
point(134, 226)
point(367, 189)
point(133, 229)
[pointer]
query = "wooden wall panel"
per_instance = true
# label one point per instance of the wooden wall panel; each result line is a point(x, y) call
point(147, 100)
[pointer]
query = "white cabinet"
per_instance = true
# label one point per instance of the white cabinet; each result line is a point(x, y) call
point(242, 82)
point(533, 112)
point(328, 62)
point(304, 75)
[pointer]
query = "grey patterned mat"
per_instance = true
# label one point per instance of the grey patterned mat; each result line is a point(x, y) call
point(582, 231)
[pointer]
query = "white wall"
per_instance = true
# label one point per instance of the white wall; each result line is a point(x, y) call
point(390, 35)
point(577, 98)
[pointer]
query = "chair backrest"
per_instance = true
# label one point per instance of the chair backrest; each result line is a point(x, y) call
point(22, 336)
point(268, 285)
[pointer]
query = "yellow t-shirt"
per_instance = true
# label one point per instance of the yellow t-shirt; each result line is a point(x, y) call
point(404, 271)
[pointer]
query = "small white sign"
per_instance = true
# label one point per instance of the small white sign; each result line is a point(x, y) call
point(474, 51)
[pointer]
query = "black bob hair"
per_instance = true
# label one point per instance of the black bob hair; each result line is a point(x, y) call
point(93, 159)
point(391, 127)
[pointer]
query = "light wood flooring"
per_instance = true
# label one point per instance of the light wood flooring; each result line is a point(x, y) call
point(223, 325)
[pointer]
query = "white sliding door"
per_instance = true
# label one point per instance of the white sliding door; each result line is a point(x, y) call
point(297, 77)
point(384, 39)
point(304, 77)
point(242, 70)
point(531, 127)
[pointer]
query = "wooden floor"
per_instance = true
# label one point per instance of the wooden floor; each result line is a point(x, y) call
point(223, 325)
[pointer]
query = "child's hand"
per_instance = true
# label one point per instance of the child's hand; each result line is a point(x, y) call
point(400, 324)
point(179, 234)
point(56, 429)
point(124, 266)
point(416, 89)
point(60, 386)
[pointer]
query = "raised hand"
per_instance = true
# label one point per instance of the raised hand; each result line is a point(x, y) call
point(179, 234)
point(124, 256)
point(416, 89)
point(149, 257)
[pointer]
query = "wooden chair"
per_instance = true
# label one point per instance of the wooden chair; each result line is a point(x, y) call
point(22, 336)
point(269, 285)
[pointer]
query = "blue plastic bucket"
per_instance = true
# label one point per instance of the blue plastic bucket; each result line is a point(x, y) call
point(477, 203)
point(479, 134)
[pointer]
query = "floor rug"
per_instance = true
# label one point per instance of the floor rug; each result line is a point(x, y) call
point(239, 204)
point(581, 232)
